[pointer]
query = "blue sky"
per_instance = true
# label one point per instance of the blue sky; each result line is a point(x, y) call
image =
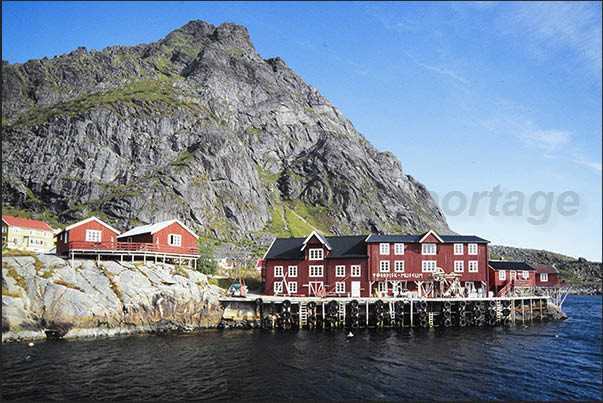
point(469, 96)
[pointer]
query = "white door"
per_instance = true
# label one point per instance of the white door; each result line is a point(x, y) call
point(356, 289)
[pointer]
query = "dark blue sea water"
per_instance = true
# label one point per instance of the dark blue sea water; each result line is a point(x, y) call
point(544, 361)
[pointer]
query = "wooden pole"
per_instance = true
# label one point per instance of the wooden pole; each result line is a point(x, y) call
point(367, 313)
point(523, 318)
point(541, 309)
point(411, 315)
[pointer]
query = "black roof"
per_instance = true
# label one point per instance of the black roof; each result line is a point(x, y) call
point(509, 265)
point(417, 238)
point(342, 247)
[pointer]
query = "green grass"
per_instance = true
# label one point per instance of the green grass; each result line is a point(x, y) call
point(235, 52)
point(12, 273)
point(297, 227)
point(17, 252)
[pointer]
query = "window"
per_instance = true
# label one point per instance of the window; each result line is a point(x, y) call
point(472, 248)
point(174, 239)
point(93, 235)
point(384, 248)
point(473, 266)
point(384, 266)
point(429, 249)
point(513, 274)
point(339, 271)
point(292, 287)
point(3, 229)
point(428, 266)
point(355, 271)
point(340, 287)
point(502, 275)
point(544, 277)
point(398, 249)
point(292, 271)
point(526, 275)
point(315, 271)
point(399, 266)
point(459, 266)
point(458, 248)
point(16, 230)
point(66, 237)
point(278, 271)
point(278, 287)
point(316, 254)
point(383, 286)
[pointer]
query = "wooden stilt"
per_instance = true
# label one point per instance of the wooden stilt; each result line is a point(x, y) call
point(121, 258)
point(541, 315)
point(367, 313)
point(523, 317)
point(73, 260)
point(411, 315)
point(531, 310)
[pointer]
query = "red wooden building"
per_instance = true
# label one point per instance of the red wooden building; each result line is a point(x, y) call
point(374, 265)
point(506, 275)
point(546, 275)
point(87, 234)
point(170, 236)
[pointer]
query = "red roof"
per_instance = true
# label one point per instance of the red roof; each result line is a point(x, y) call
point(26, 223)
point(544, 268)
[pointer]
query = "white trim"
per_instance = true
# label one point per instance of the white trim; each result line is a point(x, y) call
point(435, 247)
point(340, 284)
point(281, 271)
point(462, 252)
point(153, 228)
point(502, 275)
point(382, 246)
point(396, 266)
point(316, 275)
point(290, 285)
point(174, 237)
point(383, 263)
point(469, 249)
point(289, 271)
point(352, 267)
point(461, 266)
point(395, 248)
point(95, 232)
point(473, 263)
point(544, 277)
point(342, 267)
point(87, 220)
point(280, 287)
point(433, 233)
point(433, 263)
point(322, 254)
point(270, 247)
point(320, 237)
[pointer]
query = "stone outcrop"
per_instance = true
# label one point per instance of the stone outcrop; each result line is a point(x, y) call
point(47, 297)
point(199, 126)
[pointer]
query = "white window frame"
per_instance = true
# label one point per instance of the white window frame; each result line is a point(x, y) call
point(384, 266)
point(384, 248)
point(292, 287)
point(526, 275)
point(459, 266)
point(426, 249)
point(473, 266)
point(399, 266)
point(340, 287)
point(513, 275)
point(93, 235)
point(425, 266)
point(544, 277)
point(278, 271)
point(382, 286)
point(398, 249)
point(315, 271)
point(472, 249)
point(278, 287)
point(340, 271)
point(356, 270)
point(459, 249)
point(175, 239)
point(292, 271)
point(502, 275)
point(316, 254)
point(3, 229)
point(16, 230)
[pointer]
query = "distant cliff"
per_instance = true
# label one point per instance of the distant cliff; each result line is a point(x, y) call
point(45, 296)
point(197, 126)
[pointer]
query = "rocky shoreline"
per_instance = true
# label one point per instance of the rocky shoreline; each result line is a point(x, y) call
point(46, 297)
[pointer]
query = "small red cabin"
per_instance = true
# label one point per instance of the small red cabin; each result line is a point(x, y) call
point(87, 234)
point(505, 274)
point(546, 275)
point(170, 236)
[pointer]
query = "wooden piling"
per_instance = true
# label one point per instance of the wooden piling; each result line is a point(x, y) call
point(411, 315)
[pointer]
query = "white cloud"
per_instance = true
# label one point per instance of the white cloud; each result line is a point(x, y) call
point(548, 140)
point(594, 165)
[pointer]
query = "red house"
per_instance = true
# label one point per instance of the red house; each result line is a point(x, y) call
point(170, 236)
point(377, 265)
point(546, 275)
point(506, 274)
point(88, 234)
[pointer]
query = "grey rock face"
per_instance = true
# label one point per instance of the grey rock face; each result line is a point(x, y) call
point(197, 126)
point(58, 300)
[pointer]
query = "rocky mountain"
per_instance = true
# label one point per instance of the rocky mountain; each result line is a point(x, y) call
point(198, 126)
point(574, 270)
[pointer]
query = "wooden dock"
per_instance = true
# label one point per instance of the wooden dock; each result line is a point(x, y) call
point(328, 313)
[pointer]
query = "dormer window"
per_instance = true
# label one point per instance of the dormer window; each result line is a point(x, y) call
point(316, 254)
point(428, 249)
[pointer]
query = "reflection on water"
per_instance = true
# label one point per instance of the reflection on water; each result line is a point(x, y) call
point(545, 361)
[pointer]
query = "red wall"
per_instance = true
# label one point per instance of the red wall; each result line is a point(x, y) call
point(188, 240)
point(553, 280)
point(413, 258)
point(494, 278)
point(79, 234)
